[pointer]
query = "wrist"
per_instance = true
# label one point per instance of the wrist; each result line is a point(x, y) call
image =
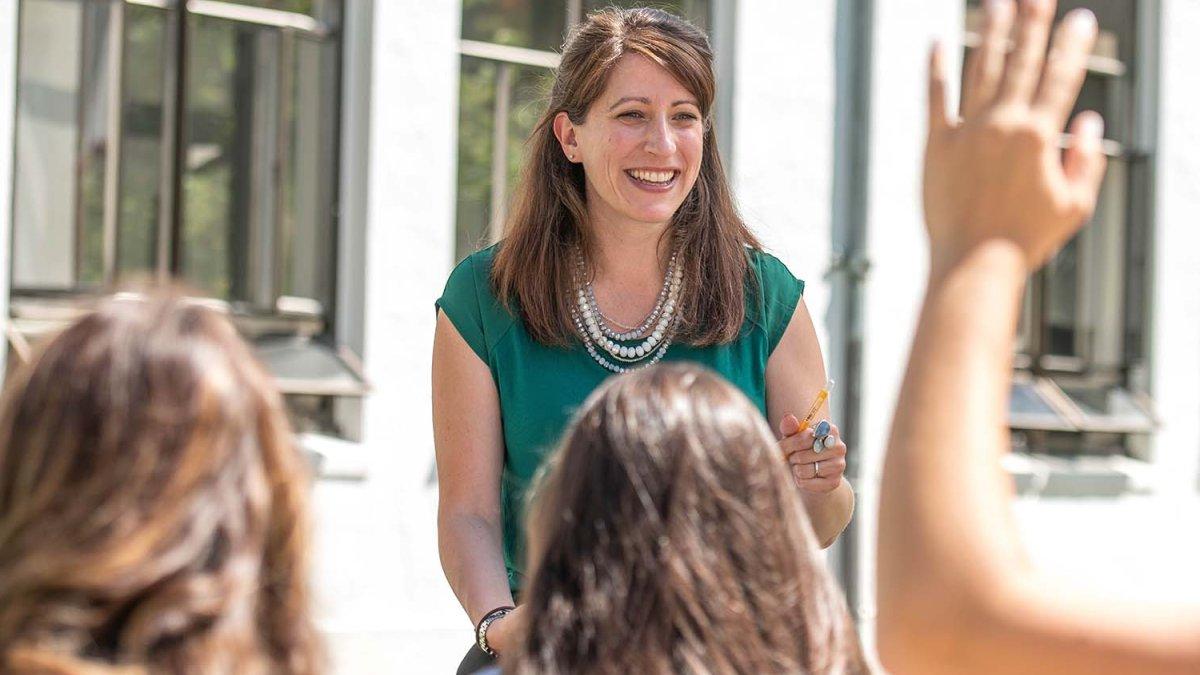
point(1001, 259)
point(485, 624)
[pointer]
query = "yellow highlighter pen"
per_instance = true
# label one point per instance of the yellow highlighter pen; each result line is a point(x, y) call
point(822, 396)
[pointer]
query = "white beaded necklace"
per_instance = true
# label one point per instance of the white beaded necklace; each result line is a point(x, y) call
point(656, 330)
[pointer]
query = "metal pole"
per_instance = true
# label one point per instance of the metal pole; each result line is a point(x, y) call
point(170, 192)
point(851, 175)
point(112, 154)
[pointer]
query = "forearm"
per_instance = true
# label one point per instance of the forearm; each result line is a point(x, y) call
point(470, 546)
point(829, 512)
point(945, 531)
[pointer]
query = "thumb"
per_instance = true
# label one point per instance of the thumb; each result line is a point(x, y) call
point(789, 425)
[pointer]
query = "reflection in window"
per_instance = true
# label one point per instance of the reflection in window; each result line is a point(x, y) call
point(47, 139)
point(141, 138)
point(533, 24)
point(695, 11)
point(499, 105)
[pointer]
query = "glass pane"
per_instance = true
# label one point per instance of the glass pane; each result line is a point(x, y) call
point(488, 91)
point(93, 144)
point(230, 141)
point(1109, 409)
point(695, 11)
point(141, 142)
point(211, 169)
point(309, 174)
point(1026, 400)
point(477, 95)
point(47, 138)
point(1028, 409)
point(1110, 97)
point(1062, 298)
point(534, 24)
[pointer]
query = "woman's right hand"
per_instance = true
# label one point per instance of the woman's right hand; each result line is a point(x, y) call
point(998, 173)
point(504, 632)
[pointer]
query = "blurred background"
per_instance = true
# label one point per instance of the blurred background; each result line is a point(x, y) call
point(317, 167)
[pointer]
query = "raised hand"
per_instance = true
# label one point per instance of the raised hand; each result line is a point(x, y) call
point(999, 172)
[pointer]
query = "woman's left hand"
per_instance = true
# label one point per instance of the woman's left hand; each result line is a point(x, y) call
point(817, 472)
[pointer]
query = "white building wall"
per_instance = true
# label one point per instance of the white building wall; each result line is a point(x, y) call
point(1175, 343)
point(896, 248)
point(782, 163)
point(384, 601)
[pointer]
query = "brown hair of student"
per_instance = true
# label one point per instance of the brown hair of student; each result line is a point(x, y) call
point(153, 506)
point(534, 266)
point(667, 537)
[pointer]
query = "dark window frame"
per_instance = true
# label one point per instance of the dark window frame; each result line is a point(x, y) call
point(281, 312)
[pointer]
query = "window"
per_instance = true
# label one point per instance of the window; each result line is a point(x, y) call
point(509, 51)
point(1080, 347)
point(194, 140)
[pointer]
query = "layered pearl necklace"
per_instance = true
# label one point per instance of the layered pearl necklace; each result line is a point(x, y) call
point(655, 332)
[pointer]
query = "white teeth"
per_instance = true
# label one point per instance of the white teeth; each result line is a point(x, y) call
point(652, 176)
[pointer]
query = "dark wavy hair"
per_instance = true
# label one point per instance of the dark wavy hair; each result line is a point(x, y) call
point(667, 536)
point(153, 506)
point(533, 268)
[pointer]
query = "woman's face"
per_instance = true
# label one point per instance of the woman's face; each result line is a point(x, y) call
point(640, 145)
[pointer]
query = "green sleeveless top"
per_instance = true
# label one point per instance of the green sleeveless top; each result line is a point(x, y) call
point(540, 387)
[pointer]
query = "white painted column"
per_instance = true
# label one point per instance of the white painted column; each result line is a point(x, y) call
point(385, 604)
point(782, 164)
point(1175, 342)
point(8, 91)
point(896, 246)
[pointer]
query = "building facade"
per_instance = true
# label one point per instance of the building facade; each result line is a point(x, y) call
point(318, 166)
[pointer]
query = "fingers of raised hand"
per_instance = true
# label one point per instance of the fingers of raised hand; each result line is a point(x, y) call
point(985, 64)
point(1084, 161)
point(1024, 65)
point(1066, 67)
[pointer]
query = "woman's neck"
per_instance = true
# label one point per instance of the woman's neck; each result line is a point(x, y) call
point(628, 252)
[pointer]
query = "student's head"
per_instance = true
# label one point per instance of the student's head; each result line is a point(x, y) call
point(153, 506)
point(668, 536)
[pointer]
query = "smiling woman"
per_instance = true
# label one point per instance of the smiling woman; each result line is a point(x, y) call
point(622, 248)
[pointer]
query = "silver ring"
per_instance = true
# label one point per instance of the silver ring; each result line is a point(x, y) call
point(816, 469)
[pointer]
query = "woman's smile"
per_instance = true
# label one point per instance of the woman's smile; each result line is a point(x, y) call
point(653, 180)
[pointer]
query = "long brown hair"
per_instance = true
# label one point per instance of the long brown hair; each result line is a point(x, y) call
point(667, 536)
point(534, 264)
point(153, 506)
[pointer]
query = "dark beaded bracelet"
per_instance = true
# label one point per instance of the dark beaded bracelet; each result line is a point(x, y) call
point(482, 627)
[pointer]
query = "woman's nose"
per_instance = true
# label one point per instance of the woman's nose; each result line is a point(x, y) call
point(661, 140)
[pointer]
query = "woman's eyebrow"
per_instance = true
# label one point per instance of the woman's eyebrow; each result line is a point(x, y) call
point(625, 99)
point(646, 101)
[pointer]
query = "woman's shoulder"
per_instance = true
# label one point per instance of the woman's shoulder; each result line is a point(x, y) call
point(470, 303)
point(474, 271)
point(773, 275)
point(775, 295)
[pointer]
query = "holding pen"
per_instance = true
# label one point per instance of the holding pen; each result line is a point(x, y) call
point(807, 462)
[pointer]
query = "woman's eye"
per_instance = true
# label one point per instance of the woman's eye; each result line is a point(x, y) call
point(687, 117)
point(632, 114)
